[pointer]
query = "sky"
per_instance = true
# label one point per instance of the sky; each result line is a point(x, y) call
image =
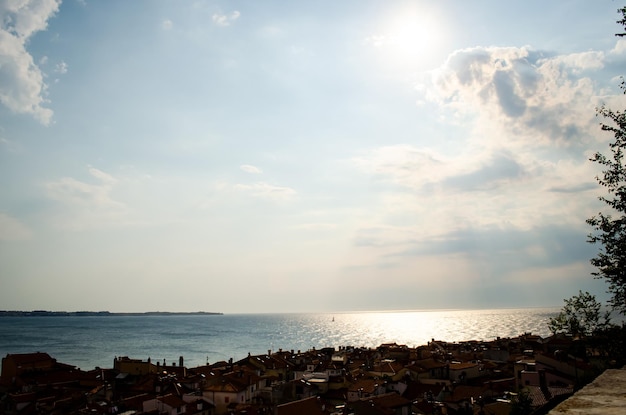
point(270, 156)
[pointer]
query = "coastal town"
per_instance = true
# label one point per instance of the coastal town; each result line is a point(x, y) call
point(472, 377)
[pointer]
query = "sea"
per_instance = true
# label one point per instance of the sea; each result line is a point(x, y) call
point(88, 342)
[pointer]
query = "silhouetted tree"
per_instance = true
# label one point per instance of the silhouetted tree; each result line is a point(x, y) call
point(610, 345)
point(580, 317)
point(610, 228)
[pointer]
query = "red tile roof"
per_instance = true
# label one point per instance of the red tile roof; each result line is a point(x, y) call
point(172, 401)
point(30, 358)
point(308, 406)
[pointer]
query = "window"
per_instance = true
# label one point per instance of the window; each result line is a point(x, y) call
point(226, 399)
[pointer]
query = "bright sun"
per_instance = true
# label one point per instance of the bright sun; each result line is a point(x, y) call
point(411, 38)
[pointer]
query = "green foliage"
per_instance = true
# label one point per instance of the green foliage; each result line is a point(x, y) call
point(580, 317)
point(610, 228)
point(521, 404)
point(610, 344)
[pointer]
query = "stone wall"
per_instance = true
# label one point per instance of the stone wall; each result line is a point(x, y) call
point(605, 395)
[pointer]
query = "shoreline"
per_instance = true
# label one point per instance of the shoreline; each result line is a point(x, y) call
point(44, 313)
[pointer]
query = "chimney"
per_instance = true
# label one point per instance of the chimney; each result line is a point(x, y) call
point(180, 361)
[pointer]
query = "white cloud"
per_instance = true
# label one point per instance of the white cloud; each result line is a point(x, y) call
point(520, 92)
point(317, 226)
point(25, 18)
point(432, 194)
point(267, 191)
point(225, 19)
point(61, 68)
point(86, 205)
point(167, 24)
point(578, 62)
point(250, 169)
point(405, 165)
point(22, 86)
point(12, 229)
point(620, 47)
point(102, 176)
point(77, 193)
point(516, 160)
point(376, 40)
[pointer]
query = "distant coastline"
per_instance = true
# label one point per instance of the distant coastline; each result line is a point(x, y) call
point(45, 313)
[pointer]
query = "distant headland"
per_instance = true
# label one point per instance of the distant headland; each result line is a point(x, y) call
point(45, 313)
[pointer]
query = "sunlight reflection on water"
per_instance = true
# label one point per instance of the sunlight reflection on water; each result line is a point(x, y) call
point(415, 328)
point(94, 341)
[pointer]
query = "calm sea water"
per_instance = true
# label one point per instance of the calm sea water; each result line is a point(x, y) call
point(93, 341)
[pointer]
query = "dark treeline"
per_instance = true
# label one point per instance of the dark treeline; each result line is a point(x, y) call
point(44, 313)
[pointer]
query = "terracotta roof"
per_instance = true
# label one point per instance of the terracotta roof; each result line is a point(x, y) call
point(558, 339)
point(464, 392)
point(136, 401)
point(429, 364)
point(415, 368)
point(462, 366)
point(29, 358)
point(387, 367)
point(390, 400)
point(497, 408)
point(368, 408)
point(226, 386)
point(386, 404)
point(424, 407)
point(539, 398)
point(367, 385)
point(244, 378)
point(205, 403)
point(308, 406)
point(23, 397)
point(272, 362)
point(416, 390)
point(172, 401)
point(146, 383)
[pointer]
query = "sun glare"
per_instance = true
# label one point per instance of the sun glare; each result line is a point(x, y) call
point(410, 38)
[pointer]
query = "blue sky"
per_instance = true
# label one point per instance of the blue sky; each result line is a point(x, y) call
point(247, 156)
